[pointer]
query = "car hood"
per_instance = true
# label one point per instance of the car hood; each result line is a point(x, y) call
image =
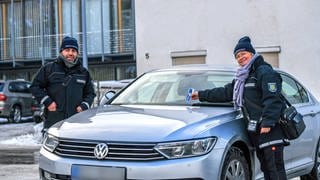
point(142, 123)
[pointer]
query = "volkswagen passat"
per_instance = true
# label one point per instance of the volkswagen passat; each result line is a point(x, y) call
point(148, 131)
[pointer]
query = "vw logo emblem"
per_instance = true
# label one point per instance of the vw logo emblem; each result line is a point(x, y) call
point(101, 151)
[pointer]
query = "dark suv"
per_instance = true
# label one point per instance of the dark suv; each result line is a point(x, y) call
point(16, 101)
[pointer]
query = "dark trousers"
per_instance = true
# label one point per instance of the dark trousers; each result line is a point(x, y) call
point(272, 164)
point(52, 118)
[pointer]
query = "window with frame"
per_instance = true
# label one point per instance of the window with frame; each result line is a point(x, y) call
point(293, 91)
point(19, 87)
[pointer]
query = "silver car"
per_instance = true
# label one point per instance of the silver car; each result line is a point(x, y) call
point(16, 101)
point(149, 131)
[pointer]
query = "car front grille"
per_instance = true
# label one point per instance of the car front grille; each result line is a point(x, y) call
point(117, 151)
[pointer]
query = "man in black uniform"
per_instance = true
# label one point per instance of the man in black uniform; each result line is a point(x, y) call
point(63, 86)
point(256, 90)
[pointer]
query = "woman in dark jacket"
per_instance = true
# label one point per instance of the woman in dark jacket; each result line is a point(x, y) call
point(256, 90)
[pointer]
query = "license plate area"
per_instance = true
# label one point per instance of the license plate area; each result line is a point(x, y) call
point(85, 172)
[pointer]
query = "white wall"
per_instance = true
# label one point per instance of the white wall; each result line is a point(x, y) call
point(164, 26)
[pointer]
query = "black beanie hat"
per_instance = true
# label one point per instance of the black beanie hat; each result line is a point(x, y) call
point(244, 44)
point(69, 42)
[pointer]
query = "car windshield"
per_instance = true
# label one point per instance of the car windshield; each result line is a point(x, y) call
point(171, 87)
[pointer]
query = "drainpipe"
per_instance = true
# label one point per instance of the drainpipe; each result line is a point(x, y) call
point(102, 34)
point(12, 36)
point(71, 23)
point(84, 34)
point(41, 32)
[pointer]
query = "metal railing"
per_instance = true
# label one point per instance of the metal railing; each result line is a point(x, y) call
point(29, 47)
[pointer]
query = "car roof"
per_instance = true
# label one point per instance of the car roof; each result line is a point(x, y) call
point(110, 84)
point(197, 67)
point(203, 67)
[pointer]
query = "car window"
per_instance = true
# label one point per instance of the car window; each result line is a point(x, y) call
point(170, 87)
point(293, 91)
point(19, 87)
point(1, 86)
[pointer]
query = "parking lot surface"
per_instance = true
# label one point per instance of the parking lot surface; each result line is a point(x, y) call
point(19, 172)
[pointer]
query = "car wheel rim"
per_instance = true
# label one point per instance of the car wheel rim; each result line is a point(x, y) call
point(17, 115)
point(235, 171)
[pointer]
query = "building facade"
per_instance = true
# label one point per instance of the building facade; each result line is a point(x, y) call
point(171, 32)
point(127, 37)
point(31, 32)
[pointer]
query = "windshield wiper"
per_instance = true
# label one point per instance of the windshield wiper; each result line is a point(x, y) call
point(224, 104)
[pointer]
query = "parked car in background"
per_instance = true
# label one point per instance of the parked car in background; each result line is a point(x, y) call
point(16, 101)
point(105, 87)
point(149, 131)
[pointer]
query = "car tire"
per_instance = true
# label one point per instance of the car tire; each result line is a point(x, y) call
point(315, 173)
point(235, 165)
point(15, 115)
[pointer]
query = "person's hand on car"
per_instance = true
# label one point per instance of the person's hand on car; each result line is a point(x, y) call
point(195, 95)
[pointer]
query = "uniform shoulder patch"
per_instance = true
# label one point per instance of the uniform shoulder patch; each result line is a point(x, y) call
point(272, 87)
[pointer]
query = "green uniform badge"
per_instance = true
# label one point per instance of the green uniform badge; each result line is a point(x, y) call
point(272, 87)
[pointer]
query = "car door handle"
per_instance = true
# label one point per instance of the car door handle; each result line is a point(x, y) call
point(312, 113)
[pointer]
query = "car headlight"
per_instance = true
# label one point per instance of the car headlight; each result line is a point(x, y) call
point(189, 148)
point(50, 142)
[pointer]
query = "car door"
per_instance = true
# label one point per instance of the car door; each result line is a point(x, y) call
point(301, 151)
point(23, 96)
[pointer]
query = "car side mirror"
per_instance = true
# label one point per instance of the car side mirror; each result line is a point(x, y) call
point(107, 97)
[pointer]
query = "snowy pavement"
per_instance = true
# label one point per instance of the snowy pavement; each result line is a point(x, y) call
point(15, 136)
point(19, 172)
point(27, 133)
point(20, 143)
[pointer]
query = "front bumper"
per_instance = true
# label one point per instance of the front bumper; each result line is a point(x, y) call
point(203, 167)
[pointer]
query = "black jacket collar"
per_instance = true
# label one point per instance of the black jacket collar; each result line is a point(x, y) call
point(258, 62)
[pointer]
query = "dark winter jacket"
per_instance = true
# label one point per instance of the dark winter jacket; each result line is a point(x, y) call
point(261, 101)
point(68, 87)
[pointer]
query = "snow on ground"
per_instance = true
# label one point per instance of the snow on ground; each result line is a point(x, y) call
point(3, 120)
point(28, 139)
point(21, 134)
